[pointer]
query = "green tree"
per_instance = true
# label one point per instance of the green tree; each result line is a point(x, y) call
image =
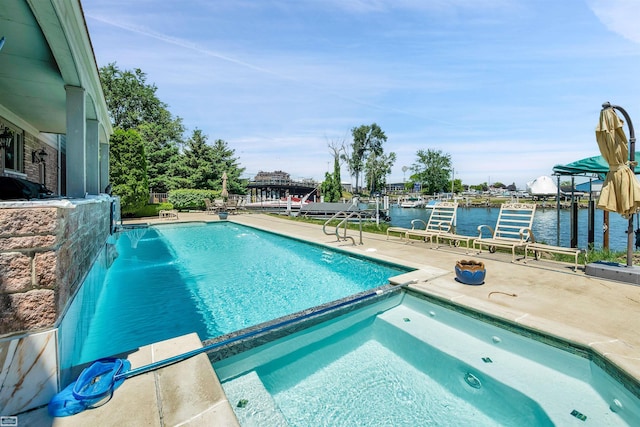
point(366, 140)
point(133, 104)
point(457, 186)
point(480, 187)
point(163, 154)
point(131, 101)
point(432, 169)
point(196, 169)
point(332, 186)
point(128, 169)
point(376, 170)
point(224, 160)
point(202, 165)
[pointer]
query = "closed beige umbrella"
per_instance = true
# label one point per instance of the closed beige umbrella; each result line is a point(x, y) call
point(225, 192)
point(621, 189)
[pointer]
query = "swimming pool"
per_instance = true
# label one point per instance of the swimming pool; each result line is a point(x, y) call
point(212, 279)
point(406, 361)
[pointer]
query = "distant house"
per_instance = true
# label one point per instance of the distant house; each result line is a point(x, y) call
point(593, 186)
point(277, 185)
point(272, 177)
point(395, 188)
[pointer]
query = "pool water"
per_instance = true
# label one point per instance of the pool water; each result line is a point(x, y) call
point(211, 279)
point(409, 362)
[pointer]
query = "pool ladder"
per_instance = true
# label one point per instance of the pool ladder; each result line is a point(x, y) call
point(346, 217)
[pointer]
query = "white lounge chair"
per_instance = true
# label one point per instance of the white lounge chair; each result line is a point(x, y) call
point(513, 229)
point(402, 231)
point(210, 208)
point(443, 215)
point(439, 226)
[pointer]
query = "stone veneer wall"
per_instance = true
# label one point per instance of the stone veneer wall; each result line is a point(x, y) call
point(46, 249)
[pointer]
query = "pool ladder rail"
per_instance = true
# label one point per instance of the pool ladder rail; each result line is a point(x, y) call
point(346, 216)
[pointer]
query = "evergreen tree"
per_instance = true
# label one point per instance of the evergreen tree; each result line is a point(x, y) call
point(128, 169)
point(331, 187)
point(197, 163)
point(225, 161)
point(201, 166)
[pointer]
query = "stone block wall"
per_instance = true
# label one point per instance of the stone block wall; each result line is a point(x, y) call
point(46, 249)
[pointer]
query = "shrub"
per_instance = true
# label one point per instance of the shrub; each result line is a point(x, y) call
point(186, 199)
point(151, 210)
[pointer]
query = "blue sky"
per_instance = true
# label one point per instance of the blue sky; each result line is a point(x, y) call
point(508, 88)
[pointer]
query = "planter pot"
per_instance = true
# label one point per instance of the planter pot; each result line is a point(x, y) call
point(470, 272)
point(223, 215)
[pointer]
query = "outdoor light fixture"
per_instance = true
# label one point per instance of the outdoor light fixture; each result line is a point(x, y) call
point(38, 156)
point(5, 138)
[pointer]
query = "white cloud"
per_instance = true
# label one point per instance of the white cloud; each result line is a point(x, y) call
point(508, 88)
point(619, 16)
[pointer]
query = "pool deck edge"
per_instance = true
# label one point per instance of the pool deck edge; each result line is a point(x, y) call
point(186, 394)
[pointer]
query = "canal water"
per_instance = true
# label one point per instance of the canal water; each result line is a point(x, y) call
point(544, 224)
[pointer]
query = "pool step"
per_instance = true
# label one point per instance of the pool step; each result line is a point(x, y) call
point(492, 355)
point(252, 403)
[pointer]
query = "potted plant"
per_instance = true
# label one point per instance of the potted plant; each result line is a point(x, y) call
point(470, 272)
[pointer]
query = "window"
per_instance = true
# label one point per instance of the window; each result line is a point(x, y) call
point(13, 155)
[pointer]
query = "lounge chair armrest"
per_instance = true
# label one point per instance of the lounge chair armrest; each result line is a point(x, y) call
point(416, 221)
point(444, 226)
point(532, 237)
point(525, 234)
point(480, 227)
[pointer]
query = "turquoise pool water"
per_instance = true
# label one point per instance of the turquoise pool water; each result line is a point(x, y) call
point(408, 362)
point(209, 278)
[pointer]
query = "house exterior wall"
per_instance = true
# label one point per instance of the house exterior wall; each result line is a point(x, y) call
point(46, 249)
point(50, 166)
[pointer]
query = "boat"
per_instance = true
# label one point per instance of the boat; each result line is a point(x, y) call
point(411, 202)
point(431, 204)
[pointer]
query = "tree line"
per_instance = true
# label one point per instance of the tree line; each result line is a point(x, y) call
point(431, 172)
point(148, 151)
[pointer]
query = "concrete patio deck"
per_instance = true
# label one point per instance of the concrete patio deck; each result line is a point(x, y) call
point(546, 296)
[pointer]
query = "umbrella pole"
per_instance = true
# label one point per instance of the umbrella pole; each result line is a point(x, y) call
point(632, 157)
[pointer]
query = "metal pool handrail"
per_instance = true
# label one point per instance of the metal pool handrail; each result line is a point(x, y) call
point(347, 215)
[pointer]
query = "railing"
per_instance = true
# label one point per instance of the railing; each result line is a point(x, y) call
point(346, 217)
point(158, 197)
point(283, 182)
